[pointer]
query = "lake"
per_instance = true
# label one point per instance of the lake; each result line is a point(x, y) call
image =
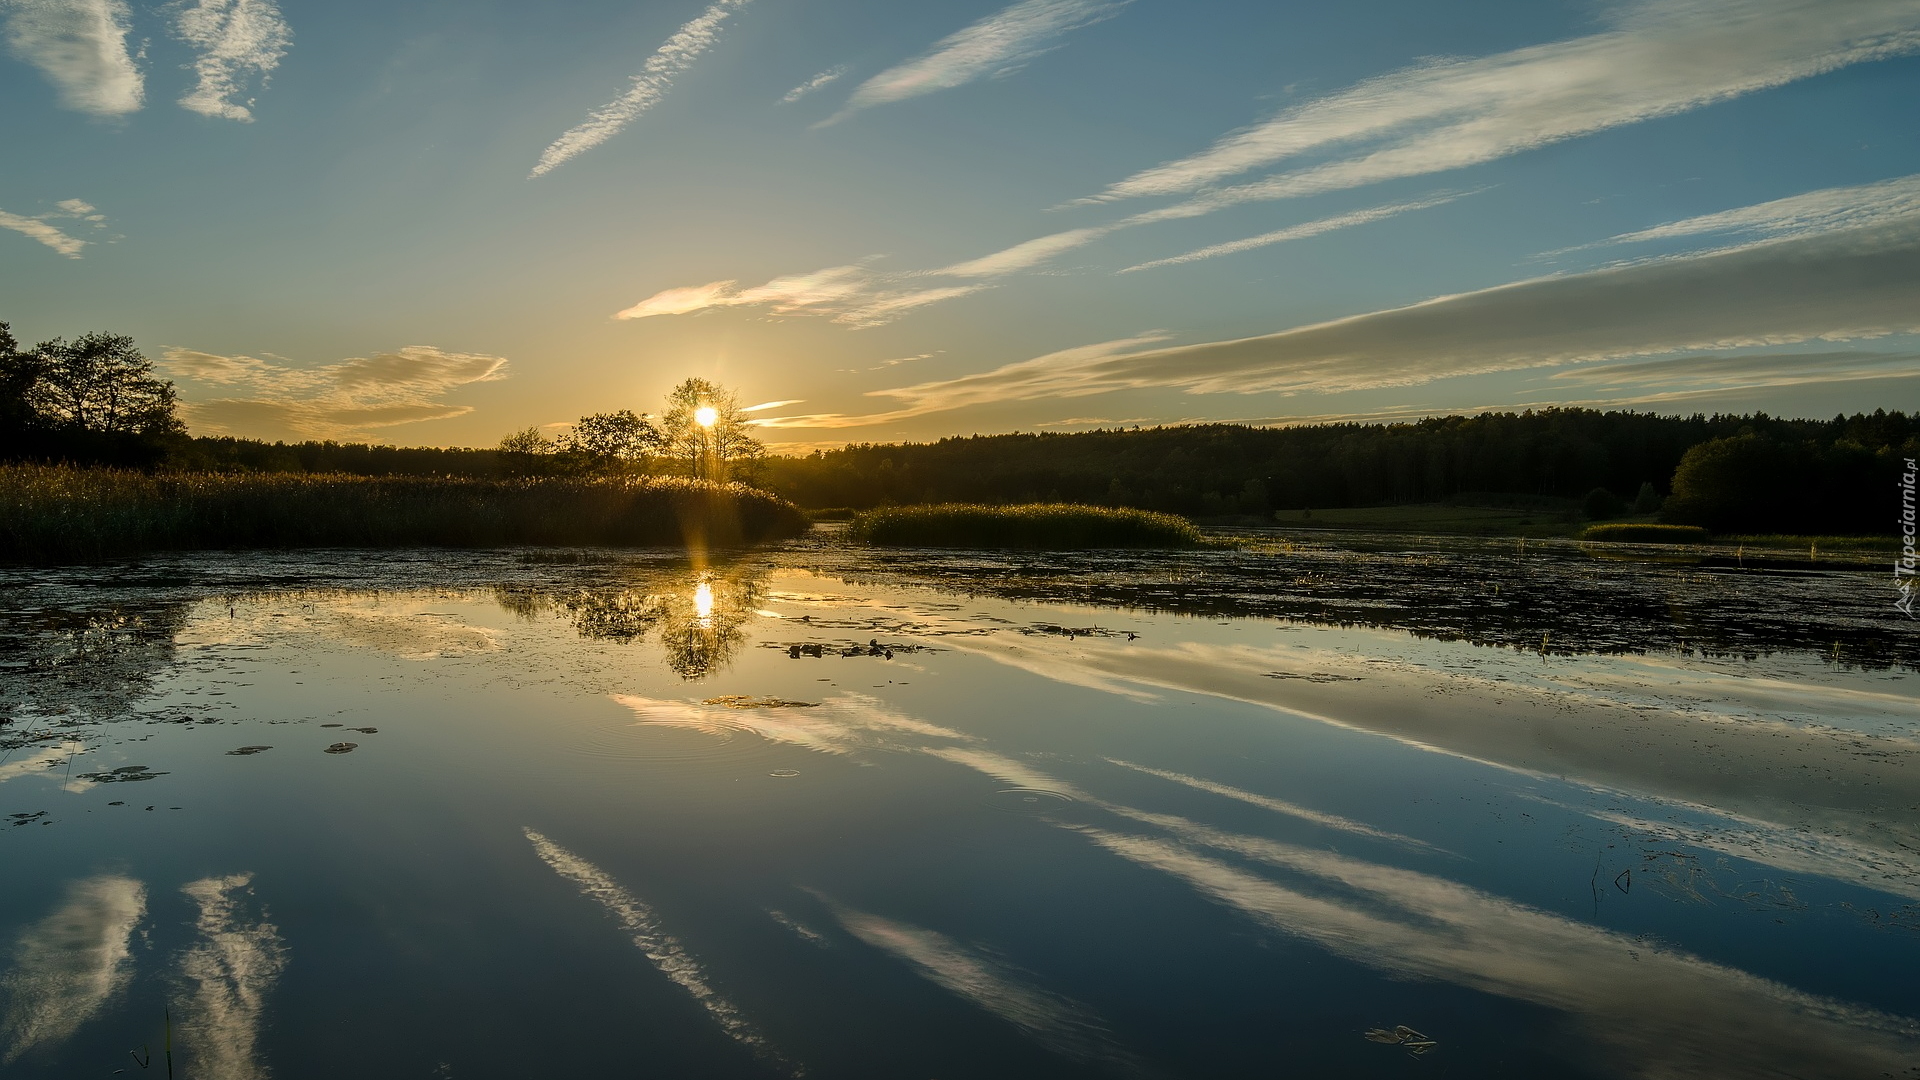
point(1384, 807)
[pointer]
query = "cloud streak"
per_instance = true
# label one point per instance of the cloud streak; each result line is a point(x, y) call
point(249, 394)
point(1300, 232)
point(81, 47)
point(238, 41)
point(997, 45)
point(1658, 59)
point(1852, 283)
point(667, 63)
point(853, 295)
point(832, 74)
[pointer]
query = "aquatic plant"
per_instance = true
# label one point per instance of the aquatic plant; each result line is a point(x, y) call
point(60, 514)
point(1058, 526)
point(1628, 533)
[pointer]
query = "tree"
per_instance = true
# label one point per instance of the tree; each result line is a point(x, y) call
point(714, 449)
point(18, 373)
point(100, 384)
point(612, 441)
point(528, 441)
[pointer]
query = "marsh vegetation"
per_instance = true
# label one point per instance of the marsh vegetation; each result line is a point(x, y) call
point(51, 514)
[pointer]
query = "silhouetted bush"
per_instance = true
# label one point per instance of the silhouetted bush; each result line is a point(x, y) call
point(1625, 533)
point(1058, 526)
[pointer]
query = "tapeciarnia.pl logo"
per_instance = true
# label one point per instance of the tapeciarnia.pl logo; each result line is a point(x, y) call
point(1903, 567)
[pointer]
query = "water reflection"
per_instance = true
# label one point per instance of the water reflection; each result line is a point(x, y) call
point(83, 663)
point(696, 616)
point(66, 966)
point(662, 950)
point(1059, 1023)
point(228, 974)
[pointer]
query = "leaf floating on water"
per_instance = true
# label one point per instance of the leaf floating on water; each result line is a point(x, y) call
point(1313, 677)
point(745, 701)
point(366, 730)
point(247, 750)
point(1403, 1036)
point(784, 773)
point(333, 725)
point(342, 747)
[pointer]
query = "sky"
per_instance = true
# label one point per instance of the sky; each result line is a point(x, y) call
point(429, 222)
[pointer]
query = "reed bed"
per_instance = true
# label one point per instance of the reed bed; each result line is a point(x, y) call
point(1632, 533)
point(1054, 526)
point(58, 514)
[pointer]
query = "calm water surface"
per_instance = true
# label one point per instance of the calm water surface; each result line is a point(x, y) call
point(1409, 808)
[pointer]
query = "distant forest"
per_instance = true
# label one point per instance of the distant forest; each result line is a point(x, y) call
point(1743, 473)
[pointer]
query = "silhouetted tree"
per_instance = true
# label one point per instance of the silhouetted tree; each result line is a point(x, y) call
point(715, 450)
point(612, 442)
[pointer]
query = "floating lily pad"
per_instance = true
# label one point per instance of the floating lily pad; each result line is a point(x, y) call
point(743, 701)
point(342, 747)
point(123, 775)
point(247, 750)
point(366, 730)
point(784, 773)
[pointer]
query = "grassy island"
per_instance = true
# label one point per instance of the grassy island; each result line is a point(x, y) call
point(50, 513)
point(1052, 526)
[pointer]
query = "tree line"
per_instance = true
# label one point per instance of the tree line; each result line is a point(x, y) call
point(1731, 473)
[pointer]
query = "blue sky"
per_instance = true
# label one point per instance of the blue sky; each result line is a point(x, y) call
point(435, 223)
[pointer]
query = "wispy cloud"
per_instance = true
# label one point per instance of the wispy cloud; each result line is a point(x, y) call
point(853, 294)
point(765, 405)
point(1657, 59)
point(238, 41)
point(815, 83)
point(272, 398)
point(40, 226)
point(994, 46)
point(1850, 283)
point(983, 389)
point(81, 47)
point(1056, 1022)
point(67, 965)
point(662, 950)
point(656, 77)
point(1300, 232)
point(1861, 206)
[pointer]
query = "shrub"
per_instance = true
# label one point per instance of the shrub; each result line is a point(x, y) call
point(50, 514)
point(1056, 526)
point(1646, 534)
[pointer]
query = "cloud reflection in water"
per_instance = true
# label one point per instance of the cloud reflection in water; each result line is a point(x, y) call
point(228, 975)
point(68, 964)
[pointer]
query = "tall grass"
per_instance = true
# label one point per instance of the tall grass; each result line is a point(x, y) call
point(1057, 526)
point(56, 514)
point(1631, 533)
